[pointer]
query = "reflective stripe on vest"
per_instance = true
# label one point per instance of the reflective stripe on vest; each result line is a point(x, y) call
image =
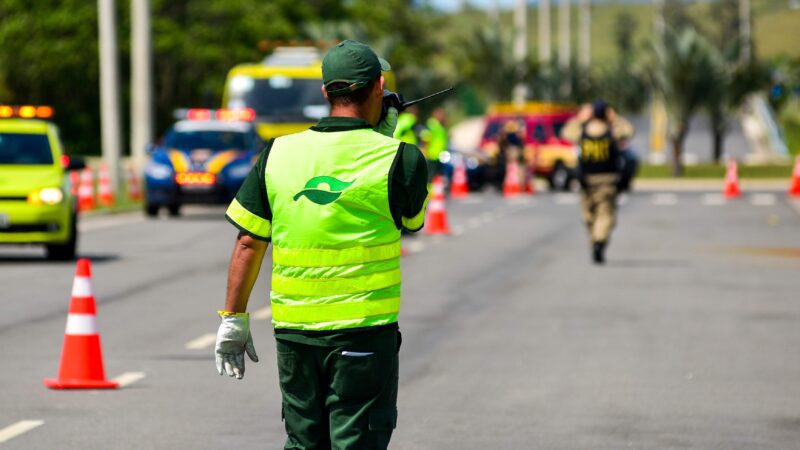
point(336, 248)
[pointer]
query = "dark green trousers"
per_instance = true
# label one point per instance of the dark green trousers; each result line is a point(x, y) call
point(342, 396)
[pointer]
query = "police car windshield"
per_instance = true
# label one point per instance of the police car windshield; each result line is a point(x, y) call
point(212, 140)
point(283, 99)
point(25, 149)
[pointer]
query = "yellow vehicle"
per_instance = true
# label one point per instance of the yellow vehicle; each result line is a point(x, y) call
point(36, 206)
point(284, 90)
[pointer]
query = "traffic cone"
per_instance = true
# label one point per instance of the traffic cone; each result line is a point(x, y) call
point(74, 182)
point(460, 187)
point(106, 193)
point(86, 190)
point(436, 220)
point(81, 364)
point(731, 189)
point(794, 189)
point(530, 189)
point(511, 182)
point(134, 186)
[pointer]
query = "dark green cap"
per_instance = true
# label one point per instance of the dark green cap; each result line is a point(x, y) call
point(352, 63)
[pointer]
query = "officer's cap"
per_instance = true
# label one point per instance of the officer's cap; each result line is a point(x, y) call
point(352, 63)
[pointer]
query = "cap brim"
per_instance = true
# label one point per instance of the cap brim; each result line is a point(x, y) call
point(385, 66)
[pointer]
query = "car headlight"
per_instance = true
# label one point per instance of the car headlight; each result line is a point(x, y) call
point(158, 171)
point(445, 157)
point(46, 196)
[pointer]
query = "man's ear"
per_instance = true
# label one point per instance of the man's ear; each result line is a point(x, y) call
point(324, 92)
point(380, 84)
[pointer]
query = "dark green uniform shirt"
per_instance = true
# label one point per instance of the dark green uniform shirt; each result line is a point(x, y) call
point(408, 190)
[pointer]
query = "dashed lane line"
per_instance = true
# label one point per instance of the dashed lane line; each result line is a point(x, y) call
point(665, 199)
point(203, 342)
point(264, 313)
point(128, 378)
point(16, 429)
point(763, 199)
point(566, 199)
point(714, 200)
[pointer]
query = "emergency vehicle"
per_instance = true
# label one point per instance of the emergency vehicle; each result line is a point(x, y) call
point(538, 129)
point(36, 206)
point(284, 90)
point(203, 158)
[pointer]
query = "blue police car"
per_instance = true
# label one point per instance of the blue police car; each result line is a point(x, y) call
point(203, 159)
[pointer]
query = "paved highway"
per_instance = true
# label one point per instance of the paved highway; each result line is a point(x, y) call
point(687, 338)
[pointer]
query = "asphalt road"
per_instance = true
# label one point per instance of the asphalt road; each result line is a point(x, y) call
point(687, 338)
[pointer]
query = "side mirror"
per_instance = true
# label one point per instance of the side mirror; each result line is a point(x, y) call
point(74, 163)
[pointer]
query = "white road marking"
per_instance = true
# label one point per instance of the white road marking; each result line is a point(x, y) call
point(665, 199)
point(416, 246)
point(763, 199)
point(566, 199)
point(474, 222)
point(204, 341)
point(714, 199)
point(264, 313)
point(15, 429)
point(128, 378)
point(100, 223)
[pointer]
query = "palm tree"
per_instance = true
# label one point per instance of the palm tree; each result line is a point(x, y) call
point(682, 75)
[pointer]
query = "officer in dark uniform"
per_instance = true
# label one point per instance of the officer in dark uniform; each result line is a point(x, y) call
point(598, 131)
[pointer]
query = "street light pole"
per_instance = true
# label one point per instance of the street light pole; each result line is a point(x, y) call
point(520, 48)
point(586, 28)
point(109, 90)
point(564, 49)
point(141, 82)
point(544, 33)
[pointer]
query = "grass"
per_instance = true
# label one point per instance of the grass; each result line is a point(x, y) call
point(718, 171)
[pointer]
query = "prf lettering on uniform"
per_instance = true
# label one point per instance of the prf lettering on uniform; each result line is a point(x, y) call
point(596, 150)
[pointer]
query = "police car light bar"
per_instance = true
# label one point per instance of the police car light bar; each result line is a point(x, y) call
point(227, 115)
point(26, 112)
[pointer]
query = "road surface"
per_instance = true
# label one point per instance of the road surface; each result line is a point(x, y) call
point(687, 338)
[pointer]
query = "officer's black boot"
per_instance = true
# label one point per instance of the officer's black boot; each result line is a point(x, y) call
point(598, 253)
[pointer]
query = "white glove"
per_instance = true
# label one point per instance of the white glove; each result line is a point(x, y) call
point(233, 340)
point(389, 123)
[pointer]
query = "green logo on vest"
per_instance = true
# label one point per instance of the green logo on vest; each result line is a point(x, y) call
point(323, 190)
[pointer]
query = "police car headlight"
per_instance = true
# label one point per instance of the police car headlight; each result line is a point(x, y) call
point(239, 171)
point(158, 171)
point(46, 196)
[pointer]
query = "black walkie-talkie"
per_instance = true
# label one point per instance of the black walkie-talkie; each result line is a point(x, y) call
point(393, 99)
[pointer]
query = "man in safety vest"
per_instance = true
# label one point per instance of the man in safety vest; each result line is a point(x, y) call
point(435, 137)
point(598, 131)
point(332, 200)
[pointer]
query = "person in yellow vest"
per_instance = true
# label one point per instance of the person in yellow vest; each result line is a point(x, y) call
point(333, 201)
point(436, 138)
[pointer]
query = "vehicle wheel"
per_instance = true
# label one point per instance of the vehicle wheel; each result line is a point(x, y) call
point(67, 250)
point(174, 210)
point(559, 179)
point(151, 210)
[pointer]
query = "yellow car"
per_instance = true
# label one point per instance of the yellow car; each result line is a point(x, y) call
point(35, 202)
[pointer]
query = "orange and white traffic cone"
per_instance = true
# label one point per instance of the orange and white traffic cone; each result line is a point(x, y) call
point(460, 187)
point(134, 186)
point(731, 189)
point(530, 188)
point(106, 193)
point(81, 364)
point(794, 188)
point(511, 186)
point(74, 182)
point(436, 220)
point(86, 190)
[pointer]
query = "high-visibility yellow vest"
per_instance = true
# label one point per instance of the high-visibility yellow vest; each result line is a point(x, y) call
point(404, 130)
point(437, 141)
point(336, 248)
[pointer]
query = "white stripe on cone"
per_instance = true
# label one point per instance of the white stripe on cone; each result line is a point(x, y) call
point(81, 325)
point(82, 287)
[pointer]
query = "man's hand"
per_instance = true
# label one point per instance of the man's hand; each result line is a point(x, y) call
point(387, 126)
point(233, 341)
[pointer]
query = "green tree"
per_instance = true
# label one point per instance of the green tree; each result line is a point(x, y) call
point(681, 74)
